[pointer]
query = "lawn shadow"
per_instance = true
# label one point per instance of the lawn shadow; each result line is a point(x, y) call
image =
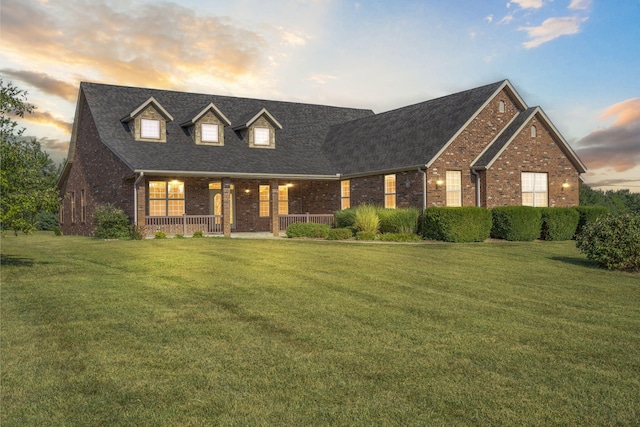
point(580, 262)
point(10, 260)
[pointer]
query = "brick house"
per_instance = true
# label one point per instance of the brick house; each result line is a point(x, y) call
point(181, 162)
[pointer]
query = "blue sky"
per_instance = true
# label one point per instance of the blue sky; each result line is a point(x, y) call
point(578, 59)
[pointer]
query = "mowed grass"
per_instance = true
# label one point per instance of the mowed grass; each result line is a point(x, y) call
point(280, 332)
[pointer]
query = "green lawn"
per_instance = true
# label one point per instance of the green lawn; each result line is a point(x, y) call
point(280, 332)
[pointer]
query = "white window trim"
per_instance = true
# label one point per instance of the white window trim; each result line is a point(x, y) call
point(394, 193)
point(210, 126)
point(451, 189)
point(533, 190)
point(261, 142)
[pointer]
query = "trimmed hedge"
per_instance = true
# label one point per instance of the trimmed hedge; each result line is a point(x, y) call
point(463, 224)
point(612, 241)
point(559, 223)
point(366, 235)
point(399, 221)
point(589, 214)
point(308, 229)
point(340, 234)
point(516, 223)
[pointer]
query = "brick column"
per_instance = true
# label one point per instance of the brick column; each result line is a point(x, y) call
point(275, 220)
point(142, 202)
point(226, 207)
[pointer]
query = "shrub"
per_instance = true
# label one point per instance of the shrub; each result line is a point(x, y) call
point(366, 235)
point(198, 234)
point(340, 234)
point(111, 223)
point(403, 220)
point(589, 214)
point(46, 220)
point(612, 241)
point(366, 219)
point(516, 223)
point(345, 218)
point(463, 224)
point(308, 229)
point(57, 231)
point(160, 235)
point(558, 223)
point(399, 237)
point(178, 236)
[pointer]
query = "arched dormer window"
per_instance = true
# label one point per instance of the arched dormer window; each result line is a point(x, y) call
point(534, 132)
point(501, 107)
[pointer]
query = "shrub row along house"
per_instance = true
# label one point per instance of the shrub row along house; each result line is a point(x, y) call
point(181, 162)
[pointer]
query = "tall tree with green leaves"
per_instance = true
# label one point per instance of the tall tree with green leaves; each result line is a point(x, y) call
point(27, 174)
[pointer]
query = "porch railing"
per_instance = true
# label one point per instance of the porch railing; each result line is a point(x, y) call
point(185, 224)
point(287, 220)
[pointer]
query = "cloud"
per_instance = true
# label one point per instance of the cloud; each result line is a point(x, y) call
point(54, 145)
point(321, 78)
point(527, 4)
point(292, 39)
point(551, 29)
point(150, 44)
point(45, 83)
point(46, 118)
point(617, 146)
point(488, 19)
point(580, 4)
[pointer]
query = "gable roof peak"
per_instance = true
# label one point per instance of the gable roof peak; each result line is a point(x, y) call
point(244, 124)
point(150, 101)
point(205, 110)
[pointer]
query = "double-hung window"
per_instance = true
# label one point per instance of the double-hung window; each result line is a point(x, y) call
point(534, 189)
point(283, 200)
point(390, 191)
point(345, 194)
point(166, 198)
point(149, 129)
point(454, 188)
point(264, 200)
point(73, 207)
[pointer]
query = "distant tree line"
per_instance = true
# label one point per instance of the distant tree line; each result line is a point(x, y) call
point(618, 201)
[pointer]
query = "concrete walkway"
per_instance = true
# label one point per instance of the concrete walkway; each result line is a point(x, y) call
point(257, 235)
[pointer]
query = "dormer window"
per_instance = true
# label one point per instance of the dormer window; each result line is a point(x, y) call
point(150, 129)
point(260, 129)
point(148, 122)
point(207, 126)
point(261, 136)
point(209, 132)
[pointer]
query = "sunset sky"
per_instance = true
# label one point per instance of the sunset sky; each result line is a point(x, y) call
point(578, 59)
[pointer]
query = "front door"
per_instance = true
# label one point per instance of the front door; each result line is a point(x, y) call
point(215, 202)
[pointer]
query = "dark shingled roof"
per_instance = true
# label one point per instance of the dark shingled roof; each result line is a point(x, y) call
point(314, 140)
point(298, 144)
point(404, 137)
point(503, 139)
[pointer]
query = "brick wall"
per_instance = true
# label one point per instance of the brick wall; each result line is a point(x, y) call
point(526, 154)
point(466, 147)
point(96, 170)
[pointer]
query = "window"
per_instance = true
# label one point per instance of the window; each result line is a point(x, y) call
point(534, 132)
point(534, 189)
point(283, 200)
point(83, 207)
point(73, 207)
point(166, 198)
point(390, 191)
point(454, 188)
point(501, 107)
point(261, 136)
point(345, 194)
point(209, 132)
point(264, 200)
point(149, 129)
point(61, 213)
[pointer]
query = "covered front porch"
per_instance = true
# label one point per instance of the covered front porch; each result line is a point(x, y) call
point(221, 206)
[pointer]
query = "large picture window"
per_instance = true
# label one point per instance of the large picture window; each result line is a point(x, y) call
point(345, 194)
point(264, 200)
point(454, 188)
point(390, 191)
point(534, 189)
point(166, 198)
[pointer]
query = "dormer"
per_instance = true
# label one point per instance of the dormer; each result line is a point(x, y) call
point(207, 126)
point(148, 122)
point(261, 129)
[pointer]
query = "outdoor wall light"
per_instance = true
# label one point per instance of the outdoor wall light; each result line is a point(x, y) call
point(247, 191)
point(289, 185)
point(565, 185)
point(439, 183)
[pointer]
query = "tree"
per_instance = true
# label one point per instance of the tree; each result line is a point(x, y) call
point(618, 201)
point(27, 174)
